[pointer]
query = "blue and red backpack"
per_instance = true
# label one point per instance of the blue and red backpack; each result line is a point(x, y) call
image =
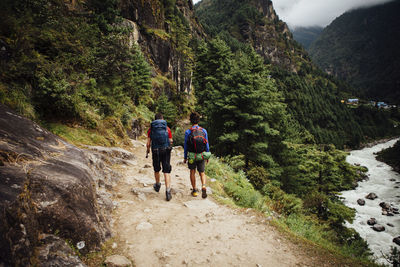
point(197, 140)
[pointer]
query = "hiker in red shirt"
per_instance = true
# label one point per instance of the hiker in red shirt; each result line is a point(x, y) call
point(159, 138)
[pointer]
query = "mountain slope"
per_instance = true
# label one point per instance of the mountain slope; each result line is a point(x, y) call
point(313, 98)
point(306, 35)
point(362, 47)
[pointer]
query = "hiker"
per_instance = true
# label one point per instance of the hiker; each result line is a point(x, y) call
point(159, 137)
point(196, 143)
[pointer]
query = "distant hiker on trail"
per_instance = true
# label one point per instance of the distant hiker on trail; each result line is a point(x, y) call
point(159, 137)
point(196, 153)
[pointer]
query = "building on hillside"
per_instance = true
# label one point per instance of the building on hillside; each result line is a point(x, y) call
point(382, 105)
point(352, 101)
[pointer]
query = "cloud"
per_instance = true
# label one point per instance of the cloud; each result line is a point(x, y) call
point(317, 12)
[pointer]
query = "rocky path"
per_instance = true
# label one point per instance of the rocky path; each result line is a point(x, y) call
point(190, 231)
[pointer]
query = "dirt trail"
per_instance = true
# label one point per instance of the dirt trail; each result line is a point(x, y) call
point(190, 231)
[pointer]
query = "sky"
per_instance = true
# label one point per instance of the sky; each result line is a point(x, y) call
point(315, 12)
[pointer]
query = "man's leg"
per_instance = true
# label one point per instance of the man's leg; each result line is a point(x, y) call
point(157, 177)
point(165, 160)
point(167, 177)
point(201, 168)
point(157, 168)
point(193, 178)
point(203, 179)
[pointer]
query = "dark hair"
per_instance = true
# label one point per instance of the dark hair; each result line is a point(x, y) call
point(194, 118)
point(158, 116)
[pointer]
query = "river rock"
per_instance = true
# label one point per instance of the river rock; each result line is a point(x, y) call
point(371, 196)
point(361, 202)
point(47, 185)
point(378, 228)
point(384, 205)
point(117, 261)
point(397, 240)
point(372, 221)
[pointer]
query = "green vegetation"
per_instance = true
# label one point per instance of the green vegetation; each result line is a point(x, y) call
point(279, 128)
point(306, 35)
point(68, 67)
point(249, 125)
point(313, 98)
point(361, 47)
point(234, 188)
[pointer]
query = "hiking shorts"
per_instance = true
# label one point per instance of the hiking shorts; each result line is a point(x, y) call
point(161, 157)
point(201, 165)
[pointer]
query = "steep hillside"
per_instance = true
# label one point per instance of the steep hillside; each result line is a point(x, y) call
point(306, 35)
point(362, 47)
point(313, 98)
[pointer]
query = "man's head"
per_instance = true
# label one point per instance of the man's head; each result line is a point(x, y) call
point(194, 118)
point(158, 116)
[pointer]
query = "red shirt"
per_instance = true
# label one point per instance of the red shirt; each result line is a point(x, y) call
point(169, 133)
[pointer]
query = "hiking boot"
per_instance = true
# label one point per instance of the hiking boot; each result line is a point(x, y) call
point(204, 192)
point(195, 192)
point(168, 194)
point(157, 186)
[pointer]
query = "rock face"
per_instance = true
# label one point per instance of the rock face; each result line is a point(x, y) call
point(154, 36)
point(48, 188)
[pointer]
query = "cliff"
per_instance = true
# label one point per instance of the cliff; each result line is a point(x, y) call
point(254, 22)
point(164, 31)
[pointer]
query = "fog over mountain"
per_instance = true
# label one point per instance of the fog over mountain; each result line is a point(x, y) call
point(306, 13)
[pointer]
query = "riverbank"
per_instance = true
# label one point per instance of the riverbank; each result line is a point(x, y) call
point(383, 182)
point(391, 156)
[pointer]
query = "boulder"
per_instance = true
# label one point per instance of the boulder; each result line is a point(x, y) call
point(371, 196)
point(47, 187)
point(384, 205)
point(361, 202)
point(396, 240)
point(372, 221)
point(378, 228)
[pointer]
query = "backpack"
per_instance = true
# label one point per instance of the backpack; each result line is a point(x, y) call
point(159, 134)
point(197, 140)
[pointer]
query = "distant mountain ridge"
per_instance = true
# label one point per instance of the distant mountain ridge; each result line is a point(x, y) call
point(306, 35)
point(362, 47)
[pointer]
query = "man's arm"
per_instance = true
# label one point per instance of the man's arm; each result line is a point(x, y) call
point(171, 141)
point(148, 144)
point(185, 148)
point(208, 144)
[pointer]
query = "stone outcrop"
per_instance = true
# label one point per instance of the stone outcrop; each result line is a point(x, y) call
point(154, 37)
point(50, 191)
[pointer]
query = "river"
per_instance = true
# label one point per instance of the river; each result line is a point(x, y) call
point(382, 181)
